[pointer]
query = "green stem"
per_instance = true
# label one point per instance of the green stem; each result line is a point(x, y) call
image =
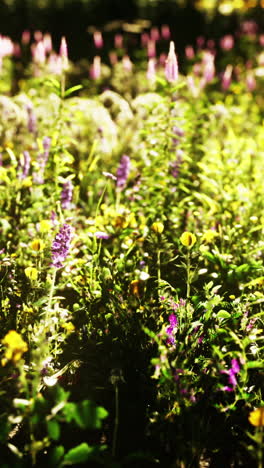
point(260, 443)
point(51, 294)
point(188, 271)
point(116, 420)
point(158, 268)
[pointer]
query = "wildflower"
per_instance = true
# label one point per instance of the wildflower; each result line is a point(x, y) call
point(101, 235)
point(109, 175)
point(60, 246)
point(256, 417)
point(227, 42)
point(66, 194)
point(25, 39)
point(151, 72)
point(31, 273)
point(209, 67)
point(123, 171)
point(251, 83)
point(42, 160)
point(172, 329)
point(25, 164)
point(98, 39)
point(39, 53)
point(176, 165)
point(118, 41)
point(127, 64)
point(157, 227)
point(95, 70)
point(188, 239)
point(64, 53)
point(32, 120)
point(151, 48)
point(171, 66)
point(165, 31)
point(45, 225)
point(15, 347)
point(189, 52)
point(37, 245)
point(227, 77)
point(235, 368)
point(209, 236)
point(68, 326)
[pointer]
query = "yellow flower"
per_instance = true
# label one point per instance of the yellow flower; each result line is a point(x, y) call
point(45, 225)
point(209, 236)
point(68, 326)
point(256, 417)
point(15, 347)
point(37, 245)
point(157, 227)
point(31, 273)
point(188, 239)
point(27, 182)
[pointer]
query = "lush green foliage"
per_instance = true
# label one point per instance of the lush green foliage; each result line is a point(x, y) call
point(131, 248)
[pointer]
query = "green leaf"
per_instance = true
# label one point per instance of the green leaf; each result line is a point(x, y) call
point(72, 90)
point(79, 454)
point(56, 455)
point(223, 314)
point(255, 364)
point(53, 429)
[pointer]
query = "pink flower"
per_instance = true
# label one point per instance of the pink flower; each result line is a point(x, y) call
point(171, 66)
point(227, 42)
point(151, 72)
point(189, 52)
point(98, 39)
point(64, 53)
point(227, 77)
point(165, 31)
point(95, 71)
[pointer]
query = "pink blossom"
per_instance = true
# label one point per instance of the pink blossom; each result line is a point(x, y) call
point(189, 52)
point(151, 48)
point(165, 32)
point(95, 70)
point(98, 39)
point(171, 66)
point(227, 42)
point(227, 77)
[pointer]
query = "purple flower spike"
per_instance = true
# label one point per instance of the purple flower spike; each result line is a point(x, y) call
point(66, 194)
point(25, 165)
point(123, 171)
point(172, 329)
point(60, 246)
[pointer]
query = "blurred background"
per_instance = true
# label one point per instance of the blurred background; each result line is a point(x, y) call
point(77, 19)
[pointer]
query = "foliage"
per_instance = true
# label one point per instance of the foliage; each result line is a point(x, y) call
point(131, 249)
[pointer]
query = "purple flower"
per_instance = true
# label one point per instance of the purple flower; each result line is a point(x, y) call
point(235, 368)
point(123, 171)
point(109, 175)
point(66, 194)
point(101, 235)
point(60, 246)
point(32, 120)
point(25, 165)
point(42, 160)
point(171, 330)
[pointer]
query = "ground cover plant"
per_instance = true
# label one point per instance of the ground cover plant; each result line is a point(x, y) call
point(131, 249)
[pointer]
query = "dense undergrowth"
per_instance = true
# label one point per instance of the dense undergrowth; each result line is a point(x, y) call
point(131, 248)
